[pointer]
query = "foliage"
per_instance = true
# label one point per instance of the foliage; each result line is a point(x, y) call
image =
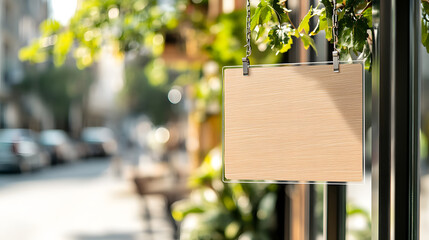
point(58, 88)
point(125, 25)
point(228, 36)
point(145, 89)
point(207, 93)
point(425, 24)
point(222, 39)
point(364, 233)
point(354, 21)
point(423, 146)
point(225, 211)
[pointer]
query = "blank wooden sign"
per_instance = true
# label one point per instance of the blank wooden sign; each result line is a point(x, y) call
point(293, 123)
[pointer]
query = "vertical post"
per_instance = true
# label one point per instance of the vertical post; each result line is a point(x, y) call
point(282, 210)
point(406, 118)
point(299, 210)
point(336, 212)
point(396, 164)
point(383, 56)
point(312, 213)
point(375, 114)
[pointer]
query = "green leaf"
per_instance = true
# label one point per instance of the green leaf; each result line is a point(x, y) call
point(277, 37)
point(368, 62)
point(156, 73)
point(304, 25)
point(232, 230)
point(352, 33)
point(266, 14)
point(349, 3)
point(287, 46)
point(323, 20)
point(255, 18)
point(184, 207)
point(360, 34)
point(49, 27)
point(366, 56)
point(425, 31)
point(265, 3)
point(322, 23)
point(308, 41)
point(325, 24)
point(341, 15)
point(353, 3)
point(368, 16)
point(425, 7)
point(295, 33)
point(316, 29)
point(62, 47)
point(262, 15)
point(425, 34)
point(260, 31)
point(345, 54)
point(280, 37)
point(345, 30)
point(329, 8)
point(425, 24)
point(328, 33)
point(33, 53)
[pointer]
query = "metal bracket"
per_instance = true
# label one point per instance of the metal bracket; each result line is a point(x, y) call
point(246, 65)
point(336, 59)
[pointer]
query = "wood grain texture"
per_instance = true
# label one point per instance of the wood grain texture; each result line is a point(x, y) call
point(293, 123)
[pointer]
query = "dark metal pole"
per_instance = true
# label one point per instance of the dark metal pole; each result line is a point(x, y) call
point(336, 212)
point(282, 210)
point(312, 213)
point(406, 119)
point(383, 57)
point(396, 164)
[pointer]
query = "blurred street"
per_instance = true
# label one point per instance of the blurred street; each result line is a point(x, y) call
point(84, 200)
point(116, 119)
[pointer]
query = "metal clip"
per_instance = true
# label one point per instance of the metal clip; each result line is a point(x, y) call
point(246, 64)
point(336, 59)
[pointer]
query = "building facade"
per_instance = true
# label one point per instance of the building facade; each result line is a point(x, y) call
point(19, 21)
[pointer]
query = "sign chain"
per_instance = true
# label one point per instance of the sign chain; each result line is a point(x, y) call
point(248, 46)
point(335, 53)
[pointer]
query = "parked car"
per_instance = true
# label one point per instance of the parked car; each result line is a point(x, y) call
point(99, 141)
point(58, 144)
point(19, 151)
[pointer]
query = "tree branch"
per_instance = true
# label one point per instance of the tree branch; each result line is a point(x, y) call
point(370, 5)
point(290, 20)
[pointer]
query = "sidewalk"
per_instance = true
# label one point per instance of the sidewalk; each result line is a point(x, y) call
point(156, 222)
point(63, 203)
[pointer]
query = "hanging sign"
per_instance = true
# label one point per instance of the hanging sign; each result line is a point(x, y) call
point(301, 122)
